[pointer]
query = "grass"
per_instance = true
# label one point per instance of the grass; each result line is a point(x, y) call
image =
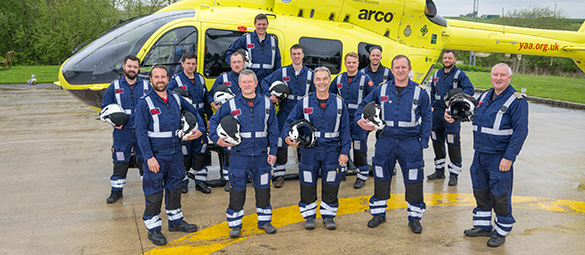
point(552, 87)
point(21, 74)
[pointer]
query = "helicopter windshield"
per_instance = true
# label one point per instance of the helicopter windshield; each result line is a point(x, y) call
point(101, 61)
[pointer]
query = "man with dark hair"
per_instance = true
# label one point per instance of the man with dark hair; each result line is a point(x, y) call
point(500, 127)
point(353, 87)
point(377, 72)
point(158, 120)
point(299, 80)
point(251, 158)
point(449, 78)
point(262, 48)
point(407, 130)
point(195, 152)
point(125, 92)
point(329, 117)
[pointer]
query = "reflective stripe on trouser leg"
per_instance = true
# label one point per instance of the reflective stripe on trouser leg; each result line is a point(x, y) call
point(175, 216)
point(117, 184)
point(440, 165)
point(454, 168)
point(279, 170)
point(264, 215)
point(308, 210)
point(186, 179)
point(118, 178)
point(416, 210)
point(201, 175)
point(360, 161)
point(328, 210)
point(378, 206)
point(234, 218)
point(153, 223)
point(502, 229)
point(482, 219)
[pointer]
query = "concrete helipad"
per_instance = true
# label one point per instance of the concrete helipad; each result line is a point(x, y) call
point(56, 165)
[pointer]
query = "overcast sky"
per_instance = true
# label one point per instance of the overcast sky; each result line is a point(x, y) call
point(572, 8)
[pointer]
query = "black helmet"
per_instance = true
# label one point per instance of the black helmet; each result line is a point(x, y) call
point(279, 90)
point(371, 113)
point(229, 127)
point(461, 107)
point(222, 94)
point(188, 124)
point(303, 132)
point(182, 92)
point(114, 114)
point(452, 93)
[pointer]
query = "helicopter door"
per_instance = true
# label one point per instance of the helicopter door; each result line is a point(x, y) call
point(170, 47)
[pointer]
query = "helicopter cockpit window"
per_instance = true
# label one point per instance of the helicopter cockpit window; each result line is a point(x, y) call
point(322, 52)
point(364, 53)
point(101, 61)
point(217, 41)
point(169, 49)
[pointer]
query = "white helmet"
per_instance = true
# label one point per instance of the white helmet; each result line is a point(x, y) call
point(114, 114)
point(222, 94)
point(461, 107)
point(188, 124)
point(182, 92)
point(247, 60)
point(279, 90)
point(229, 127)
point(371, 113)
point(303, 132)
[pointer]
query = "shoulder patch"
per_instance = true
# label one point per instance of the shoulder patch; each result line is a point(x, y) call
point(304, 96)
point(518, 95)
point(422, 87)
point(339, 96)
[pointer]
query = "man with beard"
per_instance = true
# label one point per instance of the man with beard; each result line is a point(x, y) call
point(158, 120)
point(125, 92)
point(445, 79)
point(299, 80)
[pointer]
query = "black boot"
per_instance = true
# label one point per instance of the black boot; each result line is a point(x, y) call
point(436, 175)
point(114, 196)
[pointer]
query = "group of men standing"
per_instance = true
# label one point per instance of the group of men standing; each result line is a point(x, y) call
point(334, 109)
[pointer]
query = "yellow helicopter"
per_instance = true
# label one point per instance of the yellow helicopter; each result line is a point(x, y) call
point(326, 29)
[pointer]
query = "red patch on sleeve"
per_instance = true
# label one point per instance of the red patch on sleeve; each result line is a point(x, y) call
point(370, 83)
point(250, 46)
point(384, 99)
point(119, 91)
point(479, 104)
point(339, 85)
point(286, 78)
point(309, 110)
point(227, 83)
point(183, 87)
point(155, 111)
point(236, 112)
point(436, 79)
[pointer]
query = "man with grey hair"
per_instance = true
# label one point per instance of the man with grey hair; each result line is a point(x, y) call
point(251, 157)
point(329, 118)
point(500, 127)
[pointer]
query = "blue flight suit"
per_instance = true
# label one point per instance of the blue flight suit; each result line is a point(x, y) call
point(353, 93)
point(300, 84)
point(333, 139)
point(408, 126)
point(442, 130)
point(382, 75)
point(259, 132)
point(120, 92)
point(500, 127)
point(264, 55)
point(194, 151)
point(157, 124)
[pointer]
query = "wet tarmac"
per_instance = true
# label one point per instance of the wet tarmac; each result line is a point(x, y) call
point(56, 164)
